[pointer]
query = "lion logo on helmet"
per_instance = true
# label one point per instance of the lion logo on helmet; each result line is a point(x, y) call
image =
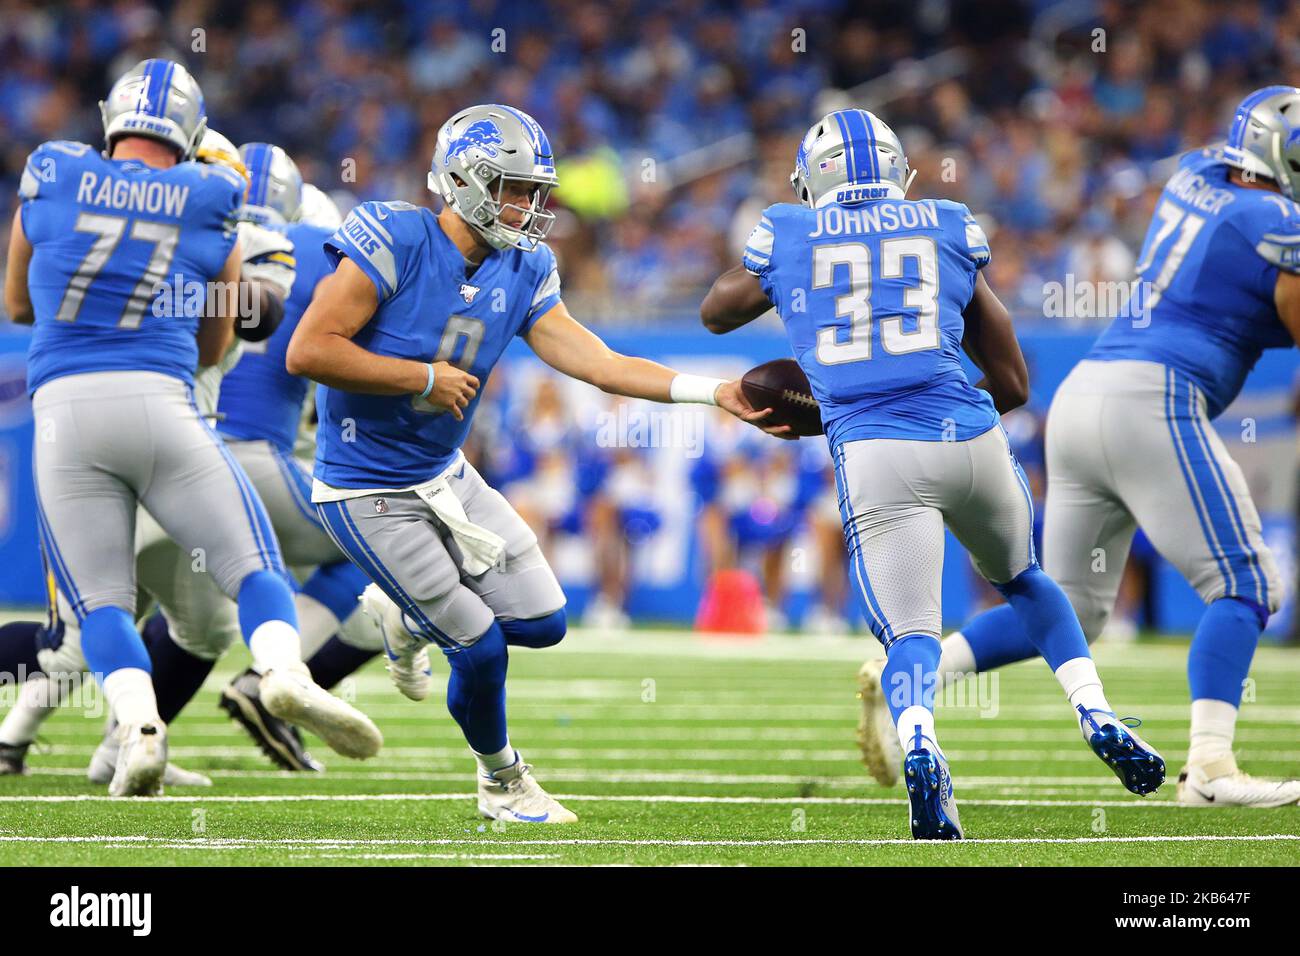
point(485, 134)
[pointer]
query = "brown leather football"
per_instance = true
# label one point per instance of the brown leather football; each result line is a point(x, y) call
point(782, 386)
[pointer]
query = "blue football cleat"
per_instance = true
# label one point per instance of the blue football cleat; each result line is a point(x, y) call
point(929, 791)
point(1137, 764)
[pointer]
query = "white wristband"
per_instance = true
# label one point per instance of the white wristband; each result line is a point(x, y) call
point(699, 389)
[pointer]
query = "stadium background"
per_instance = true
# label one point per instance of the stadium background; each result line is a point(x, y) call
point(675, 124)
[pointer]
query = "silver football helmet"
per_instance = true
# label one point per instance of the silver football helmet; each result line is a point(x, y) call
point(318, 209)
point(1265, 137)
point(274, 185)
point(850, 156)
point(480, 151)
point(158, 99)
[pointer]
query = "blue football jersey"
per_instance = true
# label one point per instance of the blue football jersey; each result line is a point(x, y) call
point(1208, 269)
point(430, 311)
point(260, 400)
point(122, 254)
point(872, 297)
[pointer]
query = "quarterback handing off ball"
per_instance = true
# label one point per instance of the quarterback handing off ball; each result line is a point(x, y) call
point(782, 386)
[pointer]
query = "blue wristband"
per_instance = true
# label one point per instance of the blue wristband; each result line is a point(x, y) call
point(429, 387)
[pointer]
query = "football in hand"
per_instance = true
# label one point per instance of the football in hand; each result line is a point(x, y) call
point(782, 386)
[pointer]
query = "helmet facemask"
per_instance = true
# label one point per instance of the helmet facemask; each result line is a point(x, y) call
point(486, 189)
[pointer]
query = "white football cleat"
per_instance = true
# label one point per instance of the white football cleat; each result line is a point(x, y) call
point(290, 694)
point(882, 754)
point(513, 794)
point(408, 654)
point(103, 764)
point(1218, 783)
point(141, 760)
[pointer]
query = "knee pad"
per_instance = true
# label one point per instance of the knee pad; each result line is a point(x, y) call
point(546, 631)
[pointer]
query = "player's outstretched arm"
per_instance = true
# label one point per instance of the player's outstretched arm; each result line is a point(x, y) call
point(990, 341)
point(571, 348)
point(18, 301)
point(322, 348)
point(736, 298)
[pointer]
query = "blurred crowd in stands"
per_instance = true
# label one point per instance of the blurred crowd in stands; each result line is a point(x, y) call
point(676, 121)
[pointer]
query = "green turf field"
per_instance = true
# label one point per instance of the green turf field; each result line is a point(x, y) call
point(674, 750)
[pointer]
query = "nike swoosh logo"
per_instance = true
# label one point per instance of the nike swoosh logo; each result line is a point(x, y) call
point(1208, 797)
point(527, 819)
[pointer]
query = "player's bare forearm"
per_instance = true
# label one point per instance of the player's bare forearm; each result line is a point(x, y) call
point(322, 348)
point(335, 360)
point(217, 330)
point(990, 341)
point(18, 300)
point(569, 347)
point(736, 298)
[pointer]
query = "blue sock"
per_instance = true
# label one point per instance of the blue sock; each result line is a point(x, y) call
point(265, 596)
point(909, 679)
point(177, 674)
point(1046, 616)
point(476, 690)
point(337, 585)
point(536, 632)
point(996, 638)
point(1222, 649)
point(18, 650)
point(110, 642)
point(336, 660)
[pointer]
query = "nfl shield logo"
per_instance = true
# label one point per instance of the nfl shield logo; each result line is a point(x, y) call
point(467, 292)
point(381, 506)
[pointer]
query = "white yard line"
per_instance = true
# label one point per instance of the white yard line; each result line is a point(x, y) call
point(632, 775)
point(577, 798)
point(145, 842)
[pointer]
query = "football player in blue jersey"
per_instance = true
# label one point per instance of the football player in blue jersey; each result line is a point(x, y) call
point(401, 337)
point(879, 295)
point(1129, 439)
point(101, 248)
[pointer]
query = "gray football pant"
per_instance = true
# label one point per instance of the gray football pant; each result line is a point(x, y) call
point(1129, 444)
point(895, 498)
point(406, 550)
point(106, 441)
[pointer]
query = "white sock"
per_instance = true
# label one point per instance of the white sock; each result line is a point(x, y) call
point(1214, 722)
point(956, 660)
point(505, 757)
point(130, 696)
point(1081, 684)
point(275, 644)
point(316, 624)
point(38, 698)
point(911, 718)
